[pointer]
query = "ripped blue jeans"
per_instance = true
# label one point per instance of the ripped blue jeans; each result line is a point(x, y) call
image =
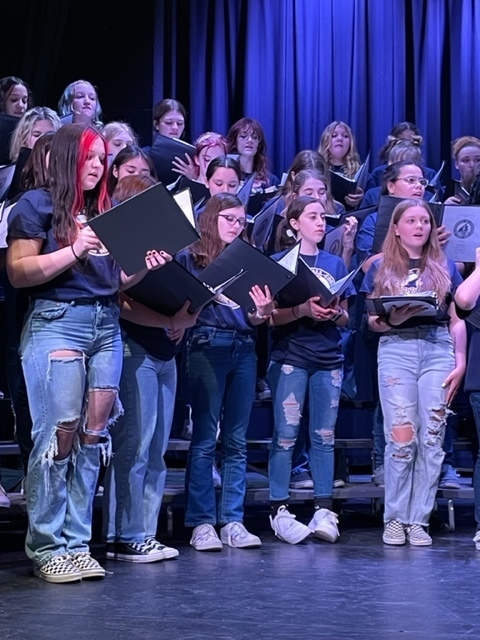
point(412, 365)
point(289, 386)
point(60, 492)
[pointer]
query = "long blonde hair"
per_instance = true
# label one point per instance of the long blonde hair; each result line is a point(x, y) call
point(395, 264)
point(352, 159)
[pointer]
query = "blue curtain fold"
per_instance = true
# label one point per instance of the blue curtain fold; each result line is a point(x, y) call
point(296, 65)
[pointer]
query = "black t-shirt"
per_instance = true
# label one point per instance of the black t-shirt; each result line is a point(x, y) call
point(98, 275)
point(306, 343)
point(152, 339)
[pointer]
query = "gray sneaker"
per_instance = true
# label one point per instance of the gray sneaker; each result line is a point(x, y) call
point(379, 476)
point(394, 533)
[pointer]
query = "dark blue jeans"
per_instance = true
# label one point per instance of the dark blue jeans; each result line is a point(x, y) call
point(221, 368)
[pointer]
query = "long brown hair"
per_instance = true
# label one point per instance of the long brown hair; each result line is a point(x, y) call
point(205, 250)
point(249, 125)
point(395, 264)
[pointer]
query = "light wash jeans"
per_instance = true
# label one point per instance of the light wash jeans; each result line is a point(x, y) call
point(289, 386)
point(60, 493)
point(221, 367)
point(135, 478)
point(412, 365)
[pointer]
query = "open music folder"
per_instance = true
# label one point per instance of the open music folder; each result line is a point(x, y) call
point(258, 269)
point(307, 285)
point(150, 220)
point(426, 303)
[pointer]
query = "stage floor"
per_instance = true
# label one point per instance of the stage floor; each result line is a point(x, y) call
point(356, 589)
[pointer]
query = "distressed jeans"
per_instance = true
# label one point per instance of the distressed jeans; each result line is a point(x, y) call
point(289, 386)
point(221, 368)
point(60, 493)
point(135, 478)
point(412, 365)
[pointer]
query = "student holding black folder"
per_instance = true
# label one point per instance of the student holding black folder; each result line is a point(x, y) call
point(421, 362)
point(306, 358)
point(80, 100)
point(338, 148)
point(135, 478)
point(221, 369)
point(71, 349)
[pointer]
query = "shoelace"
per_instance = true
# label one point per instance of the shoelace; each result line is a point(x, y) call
point(205, 534)
point(237, 531)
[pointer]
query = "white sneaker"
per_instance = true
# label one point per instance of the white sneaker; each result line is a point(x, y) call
point(324, 525)
point(476, 540)
point(287, 528)
point(204, 538)
point(4, 499)
point(417, 536)
point(235, 535)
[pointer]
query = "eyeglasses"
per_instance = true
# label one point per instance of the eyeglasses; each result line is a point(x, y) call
point(233, 220)
point(412, 180)
point(253, 136)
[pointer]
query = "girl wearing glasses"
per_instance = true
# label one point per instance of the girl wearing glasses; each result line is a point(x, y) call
point(247, 139)
point(421, 362)
point(221, 369)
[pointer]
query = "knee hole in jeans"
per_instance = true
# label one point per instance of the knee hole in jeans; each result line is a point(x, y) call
point(103, 408)
point(402, 433)
point(337, 379)
point(327, 435)
point(65, 437)
point(291, 410)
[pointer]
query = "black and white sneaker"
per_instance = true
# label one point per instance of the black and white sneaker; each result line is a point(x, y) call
point(58, 569)
point(168, 552)
point(88, 566)
point(133, 552)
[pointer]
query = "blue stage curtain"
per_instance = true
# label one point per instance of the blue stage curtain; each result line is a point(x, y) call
point(296, 65)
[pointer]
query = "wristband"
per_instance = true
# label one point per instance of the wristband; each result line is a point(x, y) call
point(294, 314)
point(260, 317)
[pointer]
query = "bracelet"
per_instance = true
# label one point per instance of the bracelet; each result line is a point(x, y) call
point(260, 317)
point(294, 314)
point(73, 251)
point(338, 316)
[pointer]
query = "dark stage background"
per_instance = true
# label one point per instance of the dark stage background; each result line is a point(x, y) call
point(295, 65)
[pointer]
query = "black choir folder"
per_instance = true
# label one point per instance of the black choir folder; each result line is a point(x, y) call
point(343, 186)
point(307, 285)
point(233, 272)
point(258, 269)
point(427, 303)
point(163, 152)
point(150, 220)
point(167, 289)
